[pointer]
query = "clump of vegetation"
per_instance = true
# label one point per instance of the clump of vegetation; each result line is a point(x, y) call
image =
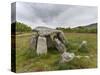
point(20, 27)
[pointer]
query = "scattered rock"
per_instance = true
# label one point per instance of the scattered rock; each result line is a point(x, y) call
point(66, 57)
point(83, 47)
point(79, 56)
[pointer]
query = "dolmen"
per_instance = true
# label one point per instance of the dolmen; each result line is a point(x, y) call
point(45, 38)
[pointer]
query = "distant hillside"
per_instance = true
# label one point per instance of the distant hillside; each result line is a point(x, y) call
point(93, 26)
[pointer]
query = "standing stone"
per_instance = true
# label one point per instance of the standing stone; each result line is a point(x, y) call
point(33, 42)
point(59, 45)
point(41, 45)
point(49, 42)
point(61, 37)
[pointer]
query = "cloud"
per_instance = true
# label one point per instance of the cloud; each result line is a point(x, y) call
point(77, 15)
point(55, 15)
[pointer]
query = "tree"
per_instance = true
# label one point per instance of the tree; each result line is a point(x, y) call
point(20, 27)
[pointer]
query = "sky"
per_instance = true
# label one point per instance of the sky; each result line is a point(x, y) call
point(54, 15)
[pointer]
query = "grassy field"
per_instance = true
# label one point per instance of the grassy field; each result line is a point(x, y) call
point(28, 61)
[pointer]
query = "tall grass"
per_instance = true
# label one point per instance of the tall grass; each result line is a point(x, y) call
point(28, 61)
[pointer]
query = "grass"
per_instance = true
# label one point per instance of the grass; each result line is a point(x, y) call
point(28, 61)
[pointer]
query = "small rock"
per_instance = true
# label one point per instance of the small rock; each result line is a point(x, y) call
point(79, 57)
point(83, 47)
point(66, 57)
